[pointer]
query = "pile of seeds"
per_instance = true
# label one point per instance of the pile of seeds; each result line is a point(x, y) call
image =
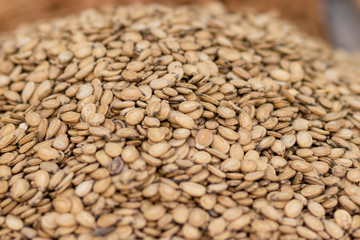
point(149, 122)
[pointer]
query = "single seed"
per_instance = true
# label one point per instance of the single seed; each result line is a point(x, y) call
point(14, 223)
point(204, 138)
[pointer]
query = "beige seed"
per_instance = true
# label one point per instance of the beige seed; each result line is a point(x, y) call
point(240, 223)
point(188, 106)
point(280, 75)
point(293, 208)
point(316, 209)
point(32, 119)
point(343, 219)
point(130, 94)
point(48, 153)
point(181, 133)
point(289, 140)
point(49, 220)
point(203, 138)
point(208, 201)
point(14, 223)
point(313, 222)
point(225, 112)
point(160, 83)
point(353, 175)
point(154, 212)
point(245, 120)
point(248, 166)
point(156, 134)
point(159, 149)
point(70, 117)
point(84, 188)
point(230, 165)
point(193, 189)
point(191, 232)
point(168, 193)
point(113, 149)
point(86, 219)
point(271, 213)
point(304, 139)
point(135, 116)
point(61, 142)
point(86, 89)
point(96, 119)
point(3, 187)
point(301, 166)
point(202, 157)
point(129, 153)
point(5, 173)
point(216, 226)
point(184, 121)
point(197, 217)
point(306, 233)
point(65, 220)
point(311, 191)
point(41, 180)
point(333, 230)
point(228, 133)
point(62, 204)
point(180, 214)
point(88, 112)
point(301, 124)
point(19, 188)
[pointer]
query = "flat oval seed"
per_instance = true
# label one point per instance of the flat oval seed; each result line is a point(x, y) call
point(154, 212)
point(86, 219)
point(225, 112)
point(159, 149)
point(84, 188)
point(48, 153)
point(293, 208)
point(304, 139)
point(228, 133)
point(333, 230)
point(5, 173)
point(70, 117)
point(14, 223)
point(135, 116)
point(180, 214)
point(42, 180)
point(193, 189)
point(316, 209)
point(185, 121)
point(203, 138)
point(343, 218)
point(19, 188)
point(280, 75)
point(113, 149)
point(61, 142)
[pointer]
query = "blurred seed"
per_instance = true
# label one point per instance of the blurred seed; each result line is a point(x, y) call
point(14, 223)
point(193, 189)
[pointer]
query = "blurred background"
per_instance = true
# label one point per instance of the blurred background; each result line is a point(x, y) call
point(335, 21)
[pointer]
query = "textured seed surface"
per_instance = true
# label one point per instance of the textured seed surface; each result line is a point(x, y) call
point(152, 122)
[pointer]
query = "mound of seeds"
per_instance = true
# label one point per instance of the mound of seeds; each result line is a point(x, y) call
point(150, 122)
